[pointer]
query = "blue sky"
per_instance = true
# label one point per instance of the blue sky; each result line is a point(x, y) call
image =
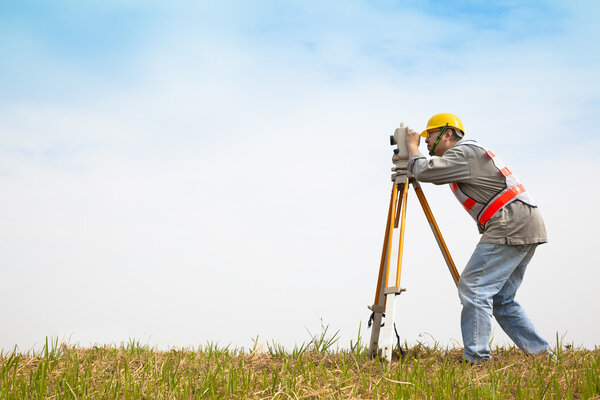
point(160, 161)
point(104, 44)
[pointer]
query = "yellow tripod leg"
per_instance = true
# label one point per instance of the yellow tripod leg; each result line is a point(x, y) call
point(385, 259)
point(387, 334)
point(398, 208)
point(379, 304)
point(436, 231)
point(402, 225)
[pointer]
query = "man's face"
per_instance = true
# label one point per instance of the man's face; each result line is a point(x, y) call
point(444, 144)
point(430, 139)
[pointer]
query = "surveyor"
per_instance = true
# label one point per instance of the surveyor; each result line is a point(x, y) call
point(510, 225)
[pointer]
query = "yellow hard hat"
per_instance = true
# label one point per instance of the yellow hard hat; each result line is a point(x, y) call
point(440, 120)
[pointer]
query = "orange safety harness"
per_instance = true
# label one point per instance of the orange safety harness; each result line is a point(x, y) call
point(514, 190)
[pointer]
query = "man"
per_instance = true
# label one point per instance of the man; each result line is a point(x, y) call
point(508, 220)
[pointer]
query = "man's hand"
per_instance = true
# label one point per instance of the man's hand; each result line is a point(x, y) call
point(413, 138)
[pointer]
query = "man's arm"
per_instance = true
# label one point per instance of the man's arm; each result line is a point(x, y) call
point(453, 166)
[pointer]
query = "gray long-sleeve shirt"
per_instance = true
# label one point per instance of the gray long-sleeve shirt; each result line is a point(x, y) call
point(476, 175)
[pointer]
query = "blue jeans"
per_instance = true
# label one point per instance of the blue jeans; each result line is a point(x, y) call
point(487, 286)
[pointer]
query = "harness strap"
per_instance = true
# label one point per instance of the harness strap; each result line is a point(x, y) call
point(500, 202)
point(514, 190)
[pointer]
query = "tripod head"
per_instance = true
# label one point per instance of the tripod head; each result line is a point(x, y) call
point(400, 157)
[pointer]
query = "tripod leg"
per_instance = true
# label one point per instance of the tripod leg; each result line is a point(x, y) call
point(387, 340)
point(379, 304)
point(436, 231)
point(398, 208)
point(402, 225)
point(386, 244)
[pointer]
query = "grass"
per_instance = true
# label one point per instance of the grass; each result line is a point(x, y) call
point(311, 371)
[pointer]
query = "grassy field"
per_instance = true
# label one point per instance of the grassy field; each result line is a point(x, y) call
point(312, 371)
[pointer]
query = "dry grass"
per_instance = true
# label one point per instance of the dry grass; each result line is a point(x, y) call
point(133, 371)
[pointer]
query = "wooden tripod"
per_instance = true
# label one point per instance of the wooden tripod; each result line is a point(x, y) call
point(382, 304)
